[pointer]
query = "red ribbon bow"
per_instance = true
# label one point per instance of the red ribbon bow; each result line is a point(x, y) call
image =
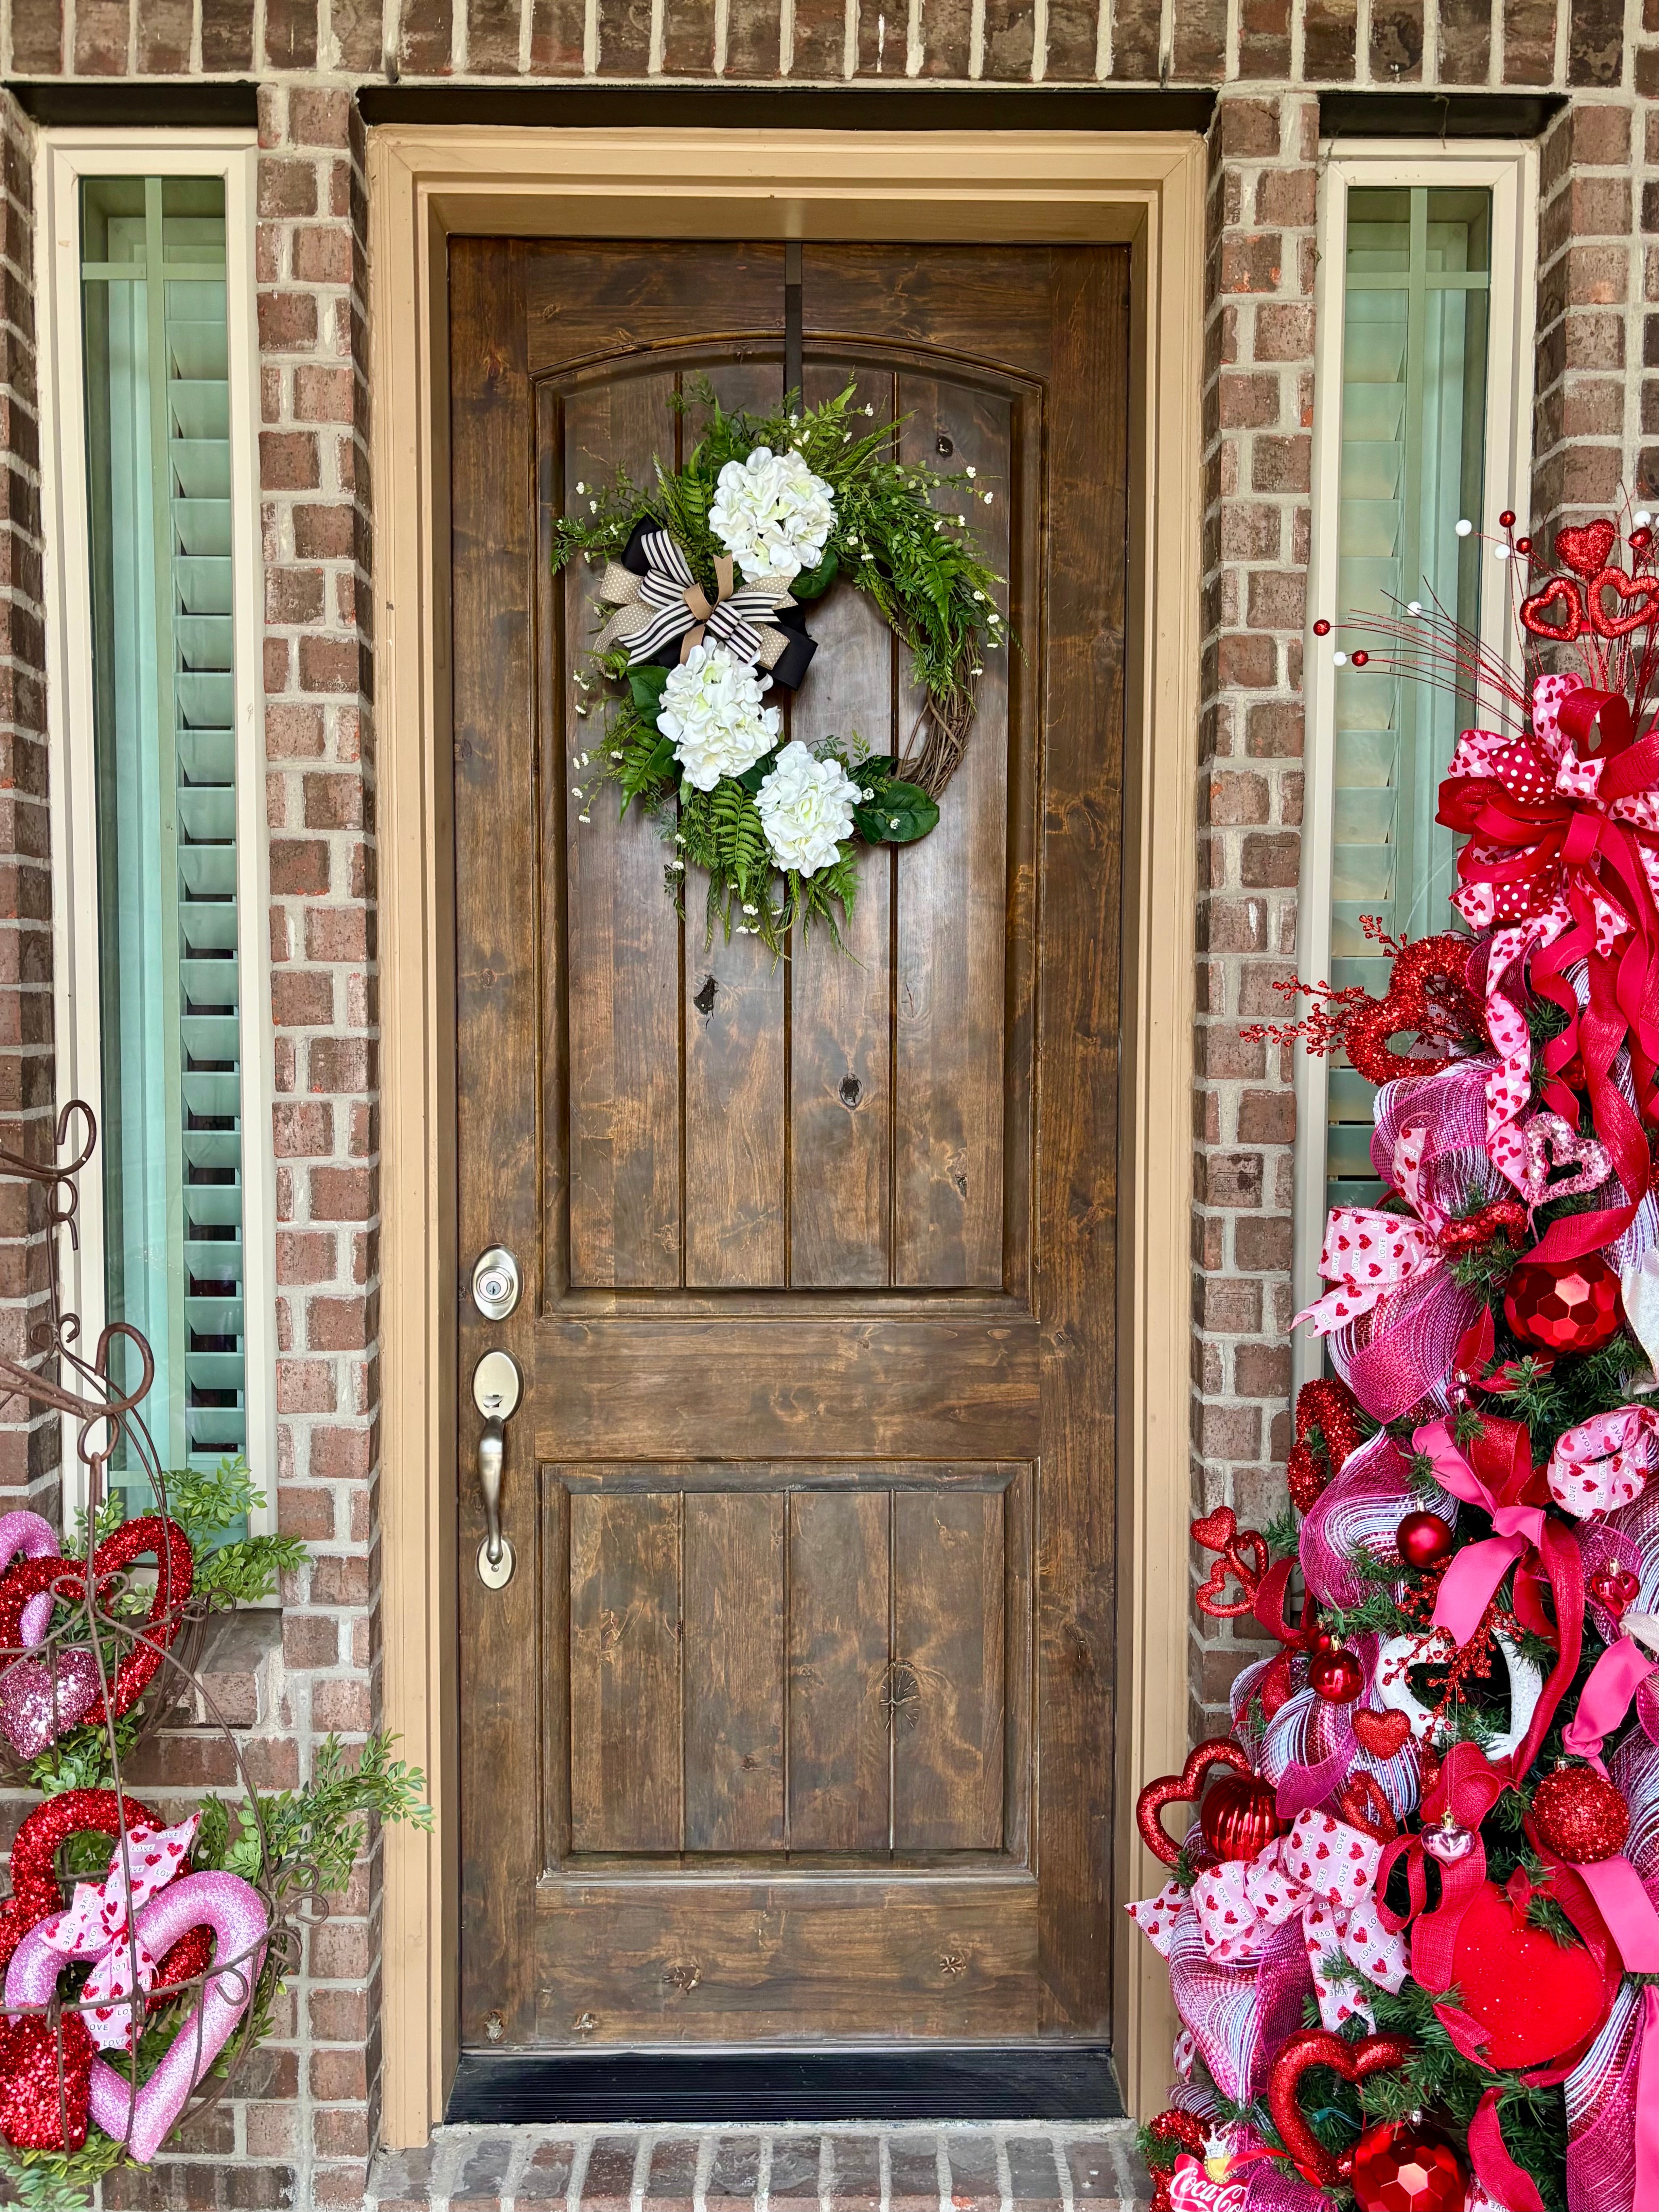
point(1582, 831)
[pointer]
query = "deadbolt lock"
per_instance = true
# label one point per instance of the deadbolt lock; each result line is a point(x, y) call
point(496, 1283)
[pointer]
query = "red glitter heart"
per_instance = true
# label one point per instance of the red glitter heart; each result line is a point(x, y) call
point(1428, 993)
point(1639, 603)
point(45, 2080)
point(1571, 624)
point(1215, 1531)
point(1317, 2046)
point(1382, 1735)
point(149, 1536)
point(1182, 1789)
point(1585, 548)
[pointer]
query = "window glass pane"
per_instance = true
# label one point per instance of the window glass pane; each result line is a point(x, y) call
point(157, 403)
point(1414, 412)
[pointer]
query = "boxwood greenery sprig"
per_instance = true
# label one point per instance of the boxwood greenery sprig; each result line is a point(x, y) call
point(777, 838)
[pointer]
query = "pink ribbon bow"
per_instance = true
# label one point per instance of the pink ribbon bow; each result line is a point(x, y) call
point(1605, 1462)
point(1323, 1871)
point(1466, 1587)
point(1369, 1255)
point(101, 1913)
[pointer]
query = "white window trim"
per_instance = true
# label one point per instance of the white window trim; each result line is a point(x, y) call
point(63, 159)
point(1509, 169)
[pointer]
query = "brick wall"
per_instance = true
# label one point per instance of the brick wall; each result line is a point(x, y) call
point(304, 2134)
point(28, 1441)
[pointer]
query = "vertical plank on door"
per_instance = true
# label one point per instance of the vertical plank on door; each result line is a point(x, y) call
point(840, 1088)
point(625, 1672)
point(948, 1644)
point(622, 934)
point(952, 918)
point(734, 1670)
point(734, 997)
point(838, 1656)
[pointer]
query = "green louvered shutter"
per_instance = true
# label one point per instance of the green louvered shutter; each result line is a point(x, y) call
point(1413, 401)
point(159, 448)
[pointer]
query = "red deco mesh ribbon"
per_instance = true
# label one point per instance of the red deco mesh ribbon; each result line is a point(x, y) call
point(1533, 844)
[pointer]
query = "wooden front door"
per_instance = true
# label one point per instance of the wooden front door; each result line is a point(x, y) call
point(795, 1721)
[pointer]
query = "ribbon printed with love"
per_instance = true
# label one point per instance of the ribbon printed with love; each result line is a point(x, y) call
point(102, 1913)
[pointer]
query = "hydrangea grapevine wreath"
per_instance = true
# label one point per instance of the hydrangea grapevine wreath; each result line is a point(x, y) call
point(704, 581)
point(142, 1955)
point(1412, 1931)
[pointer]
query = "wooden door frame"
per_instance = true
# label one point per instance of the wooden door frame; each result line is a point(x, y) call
point(426, 183)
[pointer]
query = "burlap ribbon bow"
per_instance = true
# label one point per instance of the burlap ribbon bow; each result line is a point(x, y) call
point(666, 601)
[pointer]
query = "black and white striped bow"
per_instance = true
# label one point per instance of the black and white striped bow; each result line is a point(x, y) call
point(666, 602)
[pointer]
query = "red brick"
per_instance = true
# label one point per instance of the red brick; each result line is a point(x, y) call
point(303, 1257)
point(333, 802)
point(288, 460)
point(339, 1456)
point(288, 321)
point(305, 1386)
point(302, 1128)
point(341, 1195)
point(328, 664)
point(294, 595)
point(337, 1324)
point(324, 395)
point(302, 997)
point(287, 187)
point(298, 866)
point(336, 933)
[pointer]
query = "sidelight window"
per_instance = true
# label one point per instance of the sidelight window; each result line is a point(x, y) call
point(1423, 397)
point(160, 743)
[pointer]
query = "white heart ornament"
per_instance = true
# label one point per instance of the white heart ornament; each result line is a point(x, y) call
point(1392, 1689)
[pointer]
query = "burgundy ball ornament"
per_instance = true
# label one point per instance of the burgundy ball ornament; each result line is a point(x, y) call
point(1571, 1305)
point(1336, 1676)
point(1580, 1816)
point(1239, 1817)
point(1403, 2166)
point(1423, 1540)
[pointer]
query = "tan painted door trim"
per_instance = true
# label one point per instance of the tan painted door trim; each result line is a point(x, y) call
point(424, 184)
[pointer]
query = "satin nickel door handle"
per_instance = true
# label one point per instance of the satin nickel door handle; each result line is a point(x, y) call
point(497, 1387)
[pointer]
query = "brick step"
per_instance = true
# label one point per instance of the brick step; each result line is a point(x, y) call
point(854, 2166)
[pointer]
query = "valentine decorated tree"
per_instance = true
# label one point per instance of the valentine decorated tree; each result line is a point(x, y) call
point(1412, 1928)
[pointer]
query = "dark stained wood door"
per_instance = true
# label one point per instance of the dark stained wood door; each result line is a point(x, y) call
point(795, 1721)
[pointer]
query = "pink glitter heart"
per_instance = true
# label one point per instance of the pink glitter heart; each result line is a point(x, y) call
point(1551, 1144)
point(41, 1701)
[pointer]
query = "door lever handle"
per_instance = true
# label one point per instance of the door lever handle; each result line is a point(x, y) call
point(492, 1451)
point(496, 1387)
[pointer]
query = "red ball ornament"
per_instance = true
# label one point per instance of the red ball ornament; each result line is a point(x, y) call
point(1580, 1816)
point(1360, 659)
point(1336, 1676)
point(1571, 1305)
point(1239, 1816)
point(1615, 1590)
point(1523, 544)
point(1506, 520)
point(1322, 628)
point(1401, 2166)
point(1639, 539)
point(1423, 1540)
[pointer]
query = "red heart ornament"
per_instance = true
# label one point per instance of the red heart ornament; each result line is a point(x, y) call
point(1585, 548)
point(1215, 1531)
point(1246, 1557)
point(1382, 1735)
point(1182, 1790)
point(1317, 2046)
point(1429, 992)
point(1637, 598)
point(152, 1535)
point(1534, 618)
point(45, 2080)
point(1537, 1999)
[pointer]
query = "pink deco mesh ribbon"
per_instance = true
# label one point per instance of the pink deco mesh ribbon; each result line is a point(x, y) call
point(1396, 1313)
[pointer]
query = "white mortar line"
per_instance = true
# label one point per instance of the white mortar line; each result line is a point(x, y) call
point(572, 2194)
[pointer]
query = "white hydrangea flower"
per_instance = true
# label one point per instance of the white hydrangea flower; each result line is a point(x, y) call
point(807, 809)
point(772, 514)
point(711, 709)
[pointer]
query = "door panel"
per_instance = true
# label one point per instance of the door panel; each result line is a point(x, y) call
point(795, 1719)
